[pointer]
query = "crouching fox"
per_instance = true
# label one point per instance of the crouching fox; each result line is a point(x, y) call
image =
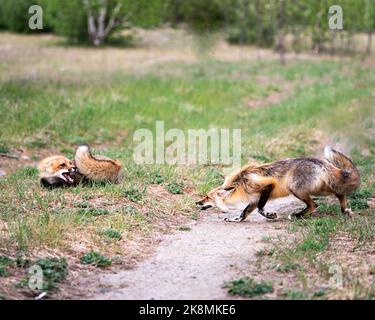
point(58, 171)
point(253, 186)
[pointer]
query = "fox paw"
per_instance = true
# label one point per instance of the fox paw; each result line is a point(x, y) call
point(270, 215)
point(348, 213)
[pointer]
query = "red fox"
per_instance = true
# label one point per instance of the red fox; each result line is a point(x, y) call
point(252, 186)
point(57, 171)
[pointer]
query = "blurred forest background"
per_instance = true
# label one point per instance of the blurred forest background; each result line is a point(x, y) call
point(284, 25)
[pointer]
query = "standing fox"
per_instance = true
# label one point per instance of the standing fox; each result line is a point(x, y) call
point(57, 171)
point(253, 186)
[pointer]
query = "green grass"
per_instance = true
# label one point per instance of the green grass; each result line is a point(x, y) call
point(54, 115)
point(175, 187)
point(54, 271)
point(112, 234)
point(247, 287)
point(96, 259)
point(5, 262)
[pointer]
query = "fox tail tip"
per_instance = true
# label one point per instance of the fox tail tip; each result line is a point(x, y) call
point(83, 148)
point(328, 152)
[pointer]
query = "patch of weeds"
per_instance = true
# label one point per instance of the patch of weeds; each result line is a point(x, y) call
point(26, 172)
point(358, 200)
point(261, 158)
point(5, 262)
point(316, 237)
point(328, 208)
point(36, 143)
point(266, 239)
point(194, 216)
point(131, 210)
point(54, 270)
point(155, 178)
point(96, 259)
point(361, 228)
point(320, 293)
point(247, 287)
point(4, 147)
point(92, 211)
point(184, 228)
point(23, 263)
point(212, 177)
point(265, 252)
point(175, 187)
point(88, 196)
point(287, 267)
point(134, 194)
point(294, 294)
point(81, 204)
point(112, 234)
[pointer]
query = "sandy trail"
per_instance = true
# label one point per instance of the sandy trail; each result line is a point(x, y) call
point(194, 264)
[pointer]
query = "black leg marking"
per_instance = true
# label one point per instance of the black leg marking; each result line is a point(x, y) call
point(264, 196)
point(250, 208)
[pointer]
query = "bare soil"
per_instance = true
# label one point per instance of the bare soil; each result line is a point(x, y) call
point(195, 263)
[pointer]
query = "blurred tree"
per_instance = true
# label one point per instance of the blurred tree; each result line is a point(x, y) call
point(369, 23)
point(95, 21)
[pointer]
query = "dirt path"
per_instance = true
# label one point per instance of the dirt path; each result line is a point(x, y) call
point(194, 264)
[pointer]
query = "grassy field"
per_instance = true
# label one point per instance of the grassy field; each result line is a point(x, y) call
point(53, 98)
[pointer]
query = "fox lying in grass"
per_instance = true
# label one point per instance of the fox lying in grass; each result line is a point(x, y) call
point(58, 171)
point(253, 186)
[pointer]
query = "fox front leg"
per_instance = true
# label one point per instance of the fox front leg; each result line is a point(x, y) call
point(250, 208)
point(264, 196)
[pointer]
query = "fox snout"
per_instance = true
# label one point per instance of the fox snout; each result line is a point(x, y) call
point(202, 204)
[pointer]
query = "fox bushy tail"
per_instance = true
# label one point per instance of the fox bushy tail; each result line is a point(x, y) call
point(96, 168)
point(347, 177)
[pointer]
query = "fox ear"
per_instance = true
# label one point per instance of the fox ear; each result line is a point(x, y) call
point(225, 192)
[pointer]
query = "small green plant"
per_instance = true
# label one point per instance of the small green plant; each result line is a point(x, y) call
point(294, 294)
point(247, 287)
point(320, 293)
point(175, 187)
point(155, 178)
point(358, 200)
point(92, 211)
point(54, 270)
point(81, 204)
point(96, 259)
point(3, 147)
point(133, 194)
point(328, 208)
point(287, 267)
point(131, 210)
point(112, 234)
point(5, 262)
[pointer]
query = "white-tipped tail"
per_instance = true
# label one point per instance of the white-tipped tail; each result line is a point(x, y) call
point(328, 154)
point(96, 168)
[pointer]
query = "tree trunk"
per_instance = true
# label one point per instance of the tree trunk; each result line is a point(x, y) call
point(97, 30)
point(369, 42)
point(280, 39)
